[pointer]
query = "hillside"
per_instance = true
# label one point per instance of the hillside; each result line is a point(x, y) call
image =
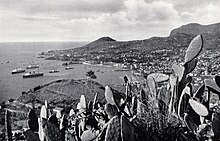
point(63, 92)
point(196, 29)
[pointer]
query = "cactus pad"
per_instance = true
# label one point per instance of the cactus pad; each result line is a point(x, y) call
point(179, 71)
point(216, 125)
point(32, 114)
point(127, 129)
point(190, 66)
point(33, 121)
point(43, 112)
point(195, 47)
point(199, 92)
point(152, 86)
point(94, 101)
point(217, 80)
point(8, 125)
point(83, 102)
point(53, 119)
point(31, 136)
point(109, 95)
point(159, 77)
point(212, 86)
point(199, 108)
point(113, 129)
point(183, 101)
point(52, 133)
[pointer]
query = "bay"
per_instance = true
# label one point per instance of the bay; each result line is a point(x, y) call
point(17, 54)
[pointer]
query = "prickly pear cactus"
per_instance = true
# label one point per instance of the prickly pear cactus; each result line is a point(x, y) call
point(43, 115)
point(190, 66)
point(94, 101)
point(52, 133)
point(195, 47)
point(134, 106)
point(33, 121)
point(89, 109)
point(111, 110)
point(63, 127)
point(199, 108)
point(212, 86)
point(127, 130)
point(173, 85)
point(152, 87)
point(183, 102)
point(199, 92)
point(53, 119)
point(179, 71)
point(216, 125)
point(159, 77)
point(113, 129)
point(8, 125)
point(217, 80)
point(83, 102)
point(31, 136)
point(109, 95)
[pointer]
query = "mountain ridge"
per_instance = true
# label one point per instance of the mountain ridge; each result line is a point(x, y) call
point(106, 49)
point(196, 29)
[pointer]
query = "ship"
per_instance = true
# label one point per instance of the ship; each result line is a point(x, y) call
point(123, 69)
point(17, 70)
point(68, 68)
point(53, 71)
point(32, 66)
point(33, 74)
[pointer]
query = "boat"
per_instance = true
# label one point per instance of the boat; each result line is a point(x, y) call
point(121, 70)
point(33, 74)
point(32, 66)
point(91, 74)
point(53, 71)
point(17, 70)
point(65, 64)
point(68, 68)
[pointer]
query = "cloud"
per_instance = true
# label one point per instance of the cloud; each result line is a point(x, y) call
point(150, 11)
point(206, 14)
point(63, 8)
point(91, 19)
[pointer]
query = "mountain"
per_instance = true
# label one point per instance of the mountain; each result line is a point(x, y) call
point(106, 49)
point(196, 29)
point(104, 39)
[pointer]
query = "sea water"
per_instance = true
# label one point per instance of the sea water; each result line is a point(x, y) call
point(20, 55)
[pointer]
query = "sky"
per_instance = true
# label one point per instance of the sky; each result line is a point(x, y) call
point(88, 20)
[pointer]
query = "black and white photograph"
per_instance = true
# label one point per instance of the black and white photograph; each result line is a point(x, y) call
point(109, 70)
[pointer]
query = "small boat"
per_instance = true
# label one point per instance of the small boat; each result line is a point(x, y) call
point(33, 74)
point(68, 68)
point(121, 70)
point(53, 71)
point(91, 74)
point(65, 64)
point(32, 66)
point(17, 70)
